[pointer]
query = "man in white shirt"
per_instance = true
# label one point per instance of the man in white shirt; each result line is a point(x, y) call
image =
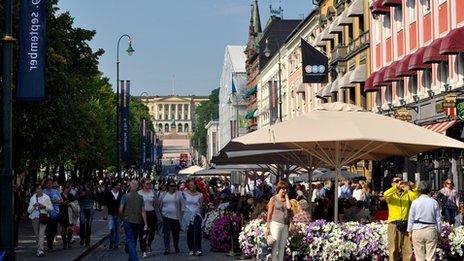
point(424, 224)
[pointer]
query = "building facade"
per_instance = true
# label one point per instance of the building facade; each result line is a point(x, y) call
point(418, 75)
point(212, 139)
point(174, 121)
point(232, 92)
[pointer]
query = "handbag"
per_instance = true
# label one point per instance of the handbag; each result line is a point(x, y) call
point(43, 218)
point(402, 226)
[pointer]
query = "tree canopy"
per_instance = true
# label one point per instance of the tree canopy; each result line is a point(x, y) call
point(205, 112)
point(75, 126)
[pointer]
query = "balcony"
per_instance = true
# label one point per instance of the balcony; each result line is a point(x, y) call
point(338, 54)
point(358, 44)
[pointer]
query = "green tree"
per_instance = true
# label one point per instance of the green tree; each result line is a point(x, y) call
point(205, 112)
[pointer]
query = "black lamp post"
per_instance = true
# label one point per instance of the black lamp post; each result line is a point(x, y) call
point(129, 51)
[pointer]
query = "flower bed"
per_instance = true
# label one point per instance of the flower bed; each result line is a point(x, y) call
point(321, 240)
point(209, 221)
point(222, 230)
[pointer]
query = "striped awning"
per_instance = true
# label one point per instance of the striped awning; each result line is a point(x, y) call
point(441, 127)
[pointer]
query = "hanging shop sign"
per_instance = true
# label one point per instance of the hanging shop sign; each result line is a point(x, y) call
point(449, 105)
point(403, 114)
point(315, 64)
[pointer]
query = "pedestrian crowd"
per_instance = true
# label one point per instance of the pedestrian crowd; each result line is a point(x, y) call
point(143, 209)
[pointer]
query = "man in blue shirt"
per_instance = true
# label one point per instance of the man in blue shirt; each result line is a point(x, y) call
point(52, 226)
point(424, 224)
point(345, 190)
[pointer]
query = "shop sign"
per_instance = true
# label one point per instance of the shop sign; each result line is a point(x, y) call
point(403, 114)
point(449, 105)
point(460, 109)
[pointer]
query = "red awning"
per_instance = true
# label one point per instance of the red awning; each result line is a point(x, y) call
point(368, 84)
point(402, 68)
point(378, 79)
point(432, 53)
point(453, 42)
point(417, 60)
point(392, 2)
point(377, 8)
point(390, 73)
point(441, 127)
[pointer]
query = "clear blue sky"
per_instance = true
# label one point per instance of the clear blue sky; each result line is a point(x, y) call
point(185, 38)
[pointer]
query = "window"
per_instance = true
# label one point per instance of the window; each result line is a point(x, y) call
point(427, 79)
point(388, 94)
point(426, 6)
point(399, 17)
point(412, 10)
point(377, 31)
point(160, 127)
point(387, 24)
point(460, 64)
point(186, 127)
point(179, 127)
point(443, 72)
point(160, 116)
point(352, 92)
point(400, 89)
point(378, 99)
point(413, 85)
point(361, 23)
point(166, 128)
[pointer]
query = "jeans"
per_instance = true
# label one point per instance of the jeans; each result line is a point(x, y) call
point(50, 232)
point(85, 226)
point(171, 226)
point(113, 226)
point(132, 231)
point(194, 235)
point(449, 215)
point(147, 237)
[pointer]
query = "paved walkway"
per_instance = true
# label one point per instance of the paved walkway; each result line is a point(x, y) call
point(103, 253)
point(27, 245)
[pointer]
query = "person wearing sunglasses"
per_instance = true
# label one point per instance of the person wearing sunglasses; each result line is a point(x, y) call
point(278, 221)
point(149, 199)
point(449, 200)
point(172, 208)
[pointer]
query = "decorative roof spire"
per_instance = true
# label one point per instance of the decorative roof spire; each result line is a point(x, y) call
point(256, 18)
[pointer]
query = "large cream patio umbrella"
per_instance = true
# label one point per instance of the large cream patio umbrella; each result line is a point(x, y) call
point(339, 134)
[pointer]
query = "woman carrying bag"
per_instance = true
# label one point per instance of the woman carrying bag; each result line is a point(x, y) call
point(39, 210)
point(278, 221)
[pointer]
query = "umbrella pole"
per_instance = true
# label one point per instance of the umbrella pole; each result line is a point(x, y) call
point(337, 177)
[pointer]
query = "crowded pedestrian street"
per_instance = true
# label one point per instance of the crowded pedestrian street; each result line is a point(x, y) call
point(263, 130)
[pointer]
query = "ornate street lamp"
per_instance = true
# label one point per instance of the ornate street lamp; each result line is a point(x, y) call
point(129, 51)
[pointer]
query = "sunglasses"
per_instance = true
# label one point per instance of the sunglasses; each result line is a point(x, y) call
point(449, 183)
point(172, 186)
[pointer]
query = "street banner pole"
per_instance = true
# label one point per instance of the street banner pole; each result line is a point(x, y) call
point(6, 175)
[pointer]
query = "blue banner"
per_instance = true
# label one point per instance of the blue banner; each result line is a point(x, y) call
point(125, 101)
point(143, 148)
point(32, 51)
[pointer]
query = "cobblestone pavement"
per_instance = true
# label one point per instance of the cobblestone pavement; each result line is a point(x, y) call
point(103, 253)
point(27, 246)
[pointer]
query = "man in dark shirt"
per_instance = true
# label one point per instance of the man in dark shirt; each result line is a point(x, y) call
point(133, 215)
point(112, 201)
point(85, 199)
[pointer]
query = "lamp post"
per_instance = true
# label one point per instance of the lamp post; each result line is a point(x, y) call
point(267, 53)
point(129, 51)
point(6, 174)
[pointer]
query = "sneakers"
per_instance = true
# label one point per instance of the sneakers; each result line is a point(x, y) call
point(40, 254)
point(191, 253)
point(199, 253)
point(149, 250)
point(144, 255)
